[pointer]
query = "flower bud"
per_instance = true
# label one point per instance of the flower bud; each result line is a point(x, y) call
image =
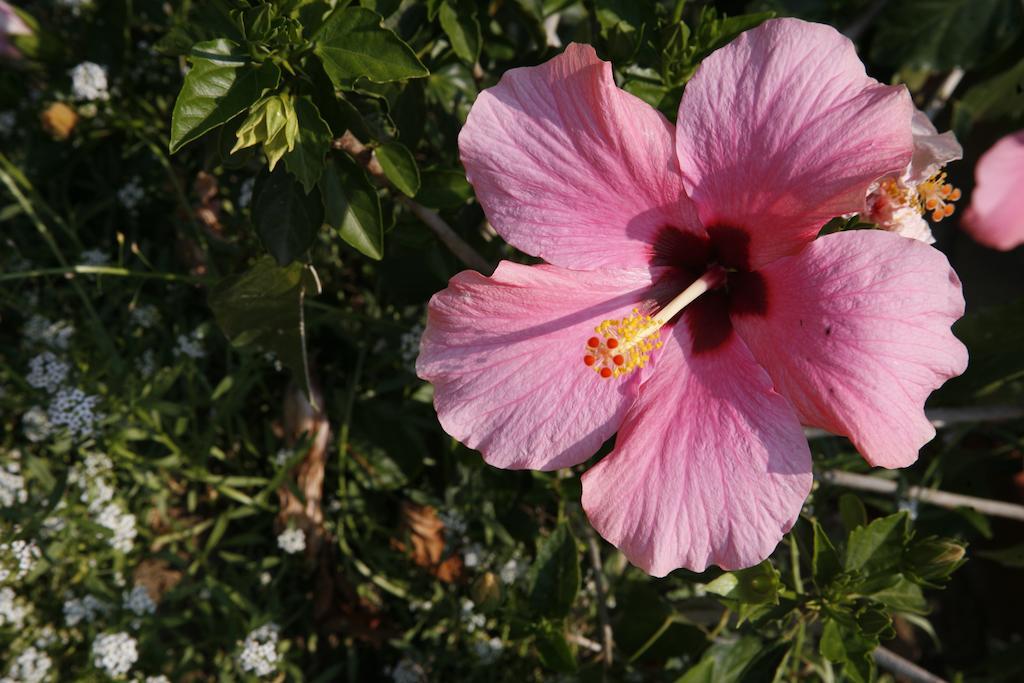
point(936, 558)
point(486, 591)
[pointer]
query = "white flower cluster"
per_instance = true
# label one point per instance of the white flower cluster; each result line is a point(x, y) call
point(146, 364)
point(36, 424)
point(122, 524)
point(487, 651)
point(474, 620)
point(12, 610)
point(46, 371)
point(282, 456)
point(8, 119)
point(157, 679)
point(409, 345)
point(146, 316)
point(131, 194)
point(94, 257)
point(454, 523)
point(245, 192)
point(25, 554)
point(191, 345)
point(76, 410)
point(292, 541)
point(85, 610)
point(259, 651)
point(31, 666)
point(407, 671)
point(12, 485)
point(511, 571)
point(137, 600)
point(89, 82)
point(473, 555)
point(114, 653)
point(40, 330)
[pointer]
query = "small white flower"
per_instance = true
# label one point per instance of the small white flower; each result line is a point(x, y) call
point(511, 571)
point(259, 651)
point(191, 345)
point(12, 610)
point(157, 679)
point(146, 316)
point(282, 456)
point(76, 6)
point(454, 523)
point(474, 620)
point(245, 192)
point(25, 553)
point(46, 371)
point(292, 541)
point(114, 653)
point(31, 666)
point(473, 556)
point(137, 600)
point(89, 82)
point(12, 485)
point(85, 610)
point(409, 345)
point(131, 194)
point(76, 410)
point(408, 671)
point(94, 257)
point(122, 524)
point(36, 425)
point(265, 578)
point(146, 364)
point(487, 651)
point(42, 331)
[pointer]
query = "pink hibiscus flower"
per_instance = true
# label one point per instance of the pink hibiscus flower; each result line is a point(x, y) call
point(996, 214)
point(10, 25)
point(686, 303)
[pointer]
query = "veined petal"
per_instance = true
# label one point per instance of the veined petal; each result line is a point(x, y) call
point(572, 169)
point(932, 150)
point(857, 335)
point(996, 214)
point(781, 130)
point(505, 355)
point(710, 467)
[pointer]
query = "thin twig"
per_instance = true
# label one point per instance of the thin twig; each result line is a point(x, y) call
point(903, 668)
point(947, 417)
point(863, 482)
point(458, 246)
point(945, 91)
point(114, 271)
point(584, 642)
point(607, 639)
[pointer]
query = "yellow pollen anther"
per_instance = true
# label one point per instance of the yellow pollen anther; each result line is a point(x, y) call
point(937, 196)
point(623, 345)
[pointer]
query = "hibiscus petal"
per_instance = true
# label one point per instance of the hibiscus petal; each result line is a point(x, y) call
point(856, 335)
point(932, 150)
point(781, 130)
point(505, 355)
point(572, 169)
point(995, 217)
point(710, 467)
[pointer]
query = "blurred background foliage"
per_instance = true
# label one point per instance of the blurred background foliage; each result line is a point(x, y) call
point(221, 221)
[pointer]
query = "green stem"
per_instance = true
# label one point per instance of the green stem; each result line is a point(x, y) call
point(794, 560)
point(100, 270)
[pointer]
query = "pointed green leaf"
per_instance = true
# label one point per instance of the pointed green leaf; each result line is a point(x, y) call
point(554, 576)
point(756, 585)
point(353, 42)
point(263, 308)
point(221, 85)
point(904, 596)
point(463, 31)
point(400, 167)
point(878, 546)
point(351, 206)
point(306, 160)
point(554, 650)
point(286, 218)
point(825, 562)
point(852, 512)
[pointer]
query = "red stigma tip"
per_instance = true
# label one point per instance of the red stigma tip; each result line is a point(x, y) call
point(618, 360)
point(589, 360)
point(611, 342)
point(606, 372)
point(593, 342)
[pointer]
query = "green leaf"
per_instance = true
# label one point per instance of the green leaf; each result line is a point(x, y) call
point(554, 577)
point(554, 650)
point(306, 160)
point(441, 189)
point(263, 308)
point(904, 596)
point(400, 167)
point(286, 218)
point(999, 97)
point(758, 585)
point(843, 646)
point(221, 85)
point(943, 34)
point(725, 662)
point(353, 43)
point(352, 207)
point(878, 546)
point(825, 560)
point(463, 31)
point(852, 512)
point(1012, 556)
